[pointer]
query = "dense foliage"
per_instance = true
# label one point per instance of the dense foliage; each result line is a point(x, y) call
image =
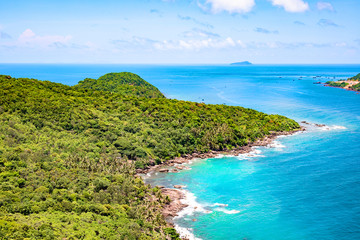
point(68, 156)
point(124, 83)
point(355, 78)
point(337, 84)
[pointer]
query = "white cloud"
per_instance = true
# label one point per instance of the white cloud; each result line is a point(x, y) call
point(231, 6)
point(291, 5)
point(28, 37)
point(196, 32)
point(325, 6)
point(197, 44)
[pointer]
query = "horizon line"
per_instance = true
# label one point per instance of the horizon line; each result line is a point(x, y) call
point(252, 64)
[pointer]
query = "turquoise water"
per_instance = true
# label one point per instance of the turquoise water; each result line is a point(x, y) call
point(307, 186)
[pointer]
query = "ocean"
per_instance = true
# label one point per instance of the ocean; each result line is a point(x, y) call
point(304, 186)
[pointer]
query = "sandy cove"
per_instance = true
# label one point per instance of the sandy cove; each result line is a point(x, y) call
point(176, 196)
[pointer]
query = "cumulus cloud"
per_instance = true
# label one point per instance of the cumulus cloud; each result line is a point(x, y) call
point(325, 6)
point(266, 31)
point(231, 6)
point(327, 23)
point(292, 5)
point(28, 37)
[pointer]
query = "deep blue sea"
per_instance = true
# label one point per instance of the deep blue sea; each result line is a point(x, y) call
point(306, 186)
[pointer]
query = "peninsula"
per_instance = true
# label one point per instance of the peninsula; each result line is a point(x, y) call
point(69, 155)
point(352, 83)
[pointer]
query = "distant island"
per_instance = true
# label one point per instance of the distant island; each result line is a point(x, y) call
point(352, 83)
point(245, 63)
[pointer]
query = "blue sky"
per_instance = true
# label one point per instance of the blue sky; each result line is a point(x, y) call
point(180, 31)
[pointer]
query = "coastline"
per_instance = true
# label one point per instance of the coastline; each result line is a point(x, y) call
point(183, 201)
point(265, 141)
point(345, 88)
point(177, 195)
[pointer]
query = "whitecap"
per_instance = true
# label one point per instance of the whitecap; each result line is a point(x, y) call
point(253, 154)
point(333, 127)
point(186, 233)
point(277, 145)
point(227, 211)
point(323, 127)
point(193, 205)
point(220, 205)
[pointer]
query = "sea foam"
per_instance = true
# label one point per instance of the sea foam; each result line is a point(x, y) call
point(253, 154)
point(333, 127)
point(186, 233)
point(227, 211)
point(220, 205)
point(277, 145)
point(193, 205)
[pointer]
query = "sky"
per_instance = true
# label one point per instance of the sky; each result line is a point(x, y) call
point(180, 31)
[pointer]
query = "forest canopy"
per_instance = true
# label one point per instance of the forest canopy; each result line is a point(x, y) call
point(125, 83)
point(68, 154)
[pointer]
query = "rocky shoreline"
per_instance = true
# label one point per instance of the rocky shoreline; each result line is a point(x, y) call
point(176, 205)
point(177, 196)
point(163, 167)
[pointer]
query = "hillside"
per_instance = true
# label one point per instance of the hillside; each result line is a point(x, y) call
point(68, 156)
point(355, 78)
point(124, 83)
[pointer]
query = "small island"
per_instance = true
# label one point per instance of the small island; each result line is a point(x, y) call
point(245, 63)
point(352, 83)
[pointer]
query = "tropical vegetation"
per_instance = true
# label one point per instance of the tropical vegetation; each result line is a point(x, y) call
point(68, 155)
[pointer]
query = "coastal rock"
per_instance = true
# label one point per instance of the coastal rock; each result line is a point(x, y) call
point(179, 186)
point(179, 161)
point(170, 210)
point(163, 170)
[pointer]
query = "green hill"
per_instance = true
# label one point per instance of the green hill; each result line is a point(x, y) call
point(355, 78)
point(124, 83)
point(68, 156)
